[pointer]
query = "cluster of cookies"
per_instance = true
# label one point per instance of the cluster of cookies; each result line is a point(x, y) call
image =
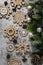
point(20, 17)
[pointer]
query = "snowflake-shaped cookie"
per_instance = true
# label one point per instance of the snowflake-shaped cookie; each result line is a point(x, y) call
point(19, 17)
point(14, 61)
point(22, 48)
point(10, 47)
point(17, 2)
point(5, 11)
point(11, 32)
